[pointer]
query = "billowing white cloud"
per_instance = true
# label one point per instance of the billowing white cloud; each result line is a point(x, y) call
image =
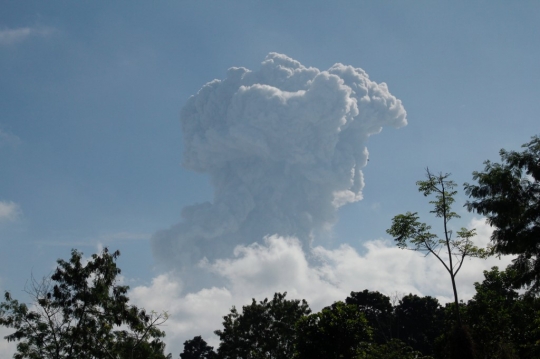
point(9, 211)
point(319, 275)
point(12, 36)
point(284, 147)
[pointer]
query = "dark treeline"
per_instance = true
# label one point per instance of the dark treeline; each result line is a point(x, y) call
point(501, 323)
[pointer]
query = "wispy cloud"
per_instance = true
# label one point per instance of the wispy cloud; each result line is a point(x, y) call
point(125, 236)
point(98, 242)
point(13, 36)
point(8, 139)
point(9, 211)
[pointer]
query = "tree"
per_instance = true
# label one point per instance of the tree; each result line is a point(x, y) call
point(490, 315)
point(508, 194)
point(377, 310)
point(338, 331)
point(197, 348)
point(263, 330)
point(419, 321)
point(415, 235)
point(504, 323)
point(415, 322)
point(82, 312)
point(393, 349)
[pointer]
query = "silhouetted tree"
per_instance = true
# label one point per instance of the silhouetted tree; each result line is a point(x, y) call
point(197, 348)
point(378, 311)
point(503, 323)
point(82, 312)
point(419, 321)
point(508, 194)
point(263, 330)
point(338, 331)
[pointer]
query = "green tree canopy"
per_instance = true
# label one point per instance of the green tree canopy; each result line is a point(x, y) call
point(377, 310)
point(392, 349)
point(503, 322)
point(419, 321)
point(338, 331)
point(508, 194)
point(263, 330)
point(197, 348)
point(82, 312)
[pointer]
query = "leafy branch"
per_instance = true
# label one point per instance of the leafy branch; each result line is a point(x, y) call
point(414, 235)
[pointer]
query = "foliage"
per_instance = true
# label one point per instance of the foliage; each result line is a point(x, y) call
point(82, 312)
point(499, 323)
point(197, 348)
point(415, 321)
point(411, 234)
point(508, 194)
point(393, 349)
point(460, 344)
point(490, 313)
point(263, 330)
point(377, 310)
point(338, 331)
point(504, 323)
point(419, 321)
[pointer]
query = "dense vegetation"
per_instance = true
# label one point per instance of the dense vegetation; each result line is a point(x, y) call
point(81, 311)
point(501, 322)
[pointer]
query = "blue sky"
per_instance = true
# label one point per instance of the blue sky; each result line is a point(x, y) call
point(91, 95)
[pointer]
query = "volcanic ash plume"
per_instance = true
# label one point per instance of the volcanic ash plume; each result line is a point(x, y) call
point(284, 147)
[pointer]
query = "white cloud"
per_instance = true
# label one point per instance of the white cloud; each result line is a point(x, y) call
point(6, 348)
point(284, 146)
point(13, 36)
point(9, 211)
point(319, 275)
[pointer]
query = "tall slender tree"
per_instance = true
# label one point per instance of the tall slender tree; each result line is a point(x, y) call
point(411, 234)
